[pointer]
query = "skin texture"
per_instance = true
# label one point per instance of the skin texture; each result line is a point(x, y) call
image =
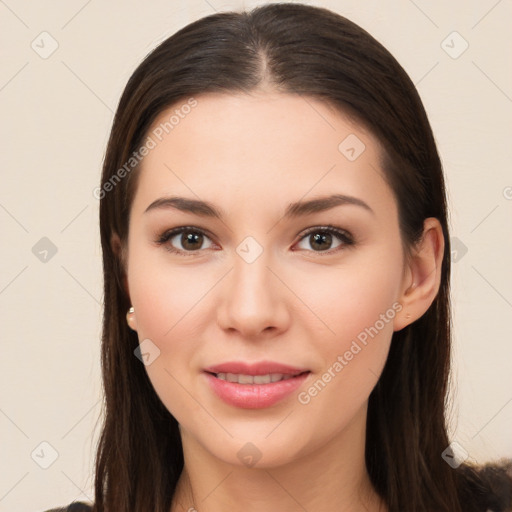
point(252, 155)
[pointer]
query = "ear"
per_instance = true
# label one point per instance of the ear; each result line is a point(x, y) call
point(422, 275)
point(119, 252)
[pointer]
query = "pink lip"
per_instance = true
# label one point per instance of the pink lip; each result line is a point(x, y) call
point(254, 396)
point(261, 368)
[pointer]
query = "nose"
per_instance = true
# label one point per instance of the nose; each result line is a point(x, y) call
point(253, 300)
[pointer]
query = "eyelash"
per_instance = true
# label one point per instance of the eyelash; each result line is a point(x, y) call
point(343, 236)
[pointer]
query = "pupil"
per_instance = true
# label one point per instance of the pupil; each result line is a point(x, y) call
point(191, 238)
point(320, 239)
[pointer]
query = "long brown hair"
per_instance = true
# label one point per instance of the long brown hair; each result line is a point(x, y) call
point(310, 51)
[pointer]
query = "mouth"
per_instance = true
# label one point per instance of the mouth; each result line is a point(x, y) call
point(240, 378)
point(254, 386)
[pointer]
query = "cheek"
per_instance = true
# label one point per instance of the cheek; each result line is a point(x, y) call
point(167, 310)
point(358, 305)
point(165, 295)
point(336, 395)
point(359, 297)
point(172, 306)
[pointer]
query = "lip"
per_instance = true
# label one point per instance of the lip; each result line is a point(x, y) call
point(260, 368)
point(254, 396)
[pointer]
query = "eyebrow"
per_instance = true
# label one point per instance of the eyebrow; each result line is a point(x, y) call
point(293, 210)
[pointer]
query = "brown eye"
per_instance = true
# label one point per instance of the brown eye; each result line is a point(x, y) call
point(191, 241)
point(184, 240)
point(322, 239)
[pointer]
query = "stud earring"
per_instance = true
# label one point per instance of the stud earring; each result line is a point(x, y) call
point(129, 317)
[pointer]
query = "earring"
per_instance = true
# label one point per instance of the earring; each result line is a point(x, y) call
point(129, 317)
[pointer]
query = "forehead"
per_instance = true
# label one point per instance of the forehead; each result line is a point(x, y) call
point(259, 148)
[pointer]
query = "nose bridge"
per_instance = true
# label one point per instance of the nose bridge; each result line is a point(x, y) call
point(251, 258)
point(252, 300)
point(251, 278)
point(252, 274)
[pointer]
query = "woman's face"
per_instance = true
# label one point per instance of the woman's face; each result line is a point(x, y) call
point(264, 282)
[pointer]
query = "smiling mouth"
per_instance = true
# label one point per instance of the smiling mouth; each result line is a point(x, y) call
point(247, 391)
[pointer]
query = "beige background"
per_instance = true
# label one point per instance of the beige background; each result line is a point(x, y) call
point(56, 115)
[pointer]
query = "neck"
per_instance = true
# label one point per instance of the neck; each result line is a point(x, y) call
point(330, 478)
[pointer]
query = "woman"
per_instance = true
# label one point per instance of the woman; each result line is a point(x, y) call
point(276, 257)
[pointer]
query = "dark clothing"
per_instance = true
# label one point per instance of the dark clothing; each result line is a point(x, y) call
point(76, 506)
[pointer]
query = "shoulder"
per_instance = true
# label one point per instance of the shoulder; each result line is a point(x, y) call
point(76, 506)
point(488, 486)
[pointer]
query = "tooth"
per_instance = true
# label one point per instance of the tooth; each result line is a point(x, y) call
point(253, 379)
point(262, 379)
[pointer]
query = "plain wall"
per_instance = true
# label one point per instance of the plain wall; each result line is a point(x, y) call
point(56, 116)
